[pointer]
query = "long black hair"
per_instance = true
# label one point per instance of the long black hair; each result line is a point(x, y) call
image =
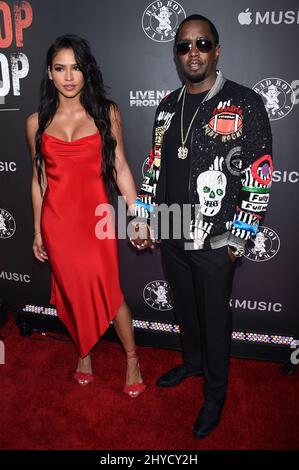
point(92, 97)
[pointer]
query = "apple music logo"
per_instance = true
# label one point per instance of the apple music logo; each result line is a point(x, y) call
point(268, 17)
point(245, 17)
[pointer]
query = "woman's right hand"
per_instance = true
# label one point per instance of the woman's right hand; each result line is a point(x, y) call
point(39, 249)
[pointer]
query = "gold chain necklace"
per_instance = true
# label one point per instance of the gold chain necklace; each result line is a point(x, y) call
point(183, 150)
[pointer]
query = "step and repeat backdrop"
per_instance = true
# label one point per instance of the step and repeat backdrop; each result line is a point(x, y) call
point(133, 43)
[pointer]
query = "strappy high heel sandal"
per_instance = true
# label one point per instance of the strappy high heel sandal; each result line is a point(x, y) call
point(83, 378)
point(136, 388)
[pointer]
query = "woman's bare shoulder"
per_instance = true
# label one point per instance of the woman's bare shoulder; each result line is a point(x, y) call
point(32, 123)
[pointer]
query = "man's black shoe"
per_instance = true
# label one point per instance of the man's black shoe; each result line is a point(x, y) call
point(208, 419)
point(175, 376)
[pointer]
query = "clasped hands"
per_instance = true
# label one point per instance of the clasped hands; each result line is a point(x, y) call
point(142, 238)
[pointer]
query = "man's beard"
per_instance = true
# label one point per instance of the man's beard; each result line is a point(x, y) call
point(196, 78)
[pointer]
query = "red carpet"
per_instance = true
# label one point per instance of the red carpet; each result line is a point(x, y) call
point(43, 408)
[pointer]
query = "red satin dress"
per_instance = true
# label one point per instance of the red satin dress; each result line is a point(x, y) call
point(85, 273)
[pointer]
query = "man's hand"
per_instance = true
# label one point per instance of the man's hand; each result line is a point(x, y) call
point(142, 239)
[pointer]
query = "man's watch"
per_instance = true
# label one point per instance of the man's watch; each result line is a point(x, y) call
point(237, 252)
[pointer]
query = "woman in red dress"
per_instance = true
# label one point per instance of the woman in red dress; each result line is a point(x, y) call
point(78, 156)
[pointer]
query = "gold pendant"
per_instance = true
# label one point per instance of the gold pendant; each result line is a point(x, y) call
point(182, 152)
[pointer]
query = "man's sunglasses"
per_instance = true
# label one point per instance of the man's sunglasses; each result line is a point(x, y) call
point(202, 44)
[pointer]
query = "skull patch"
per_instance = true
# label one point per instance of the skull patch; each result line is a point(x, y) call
point(211, 187)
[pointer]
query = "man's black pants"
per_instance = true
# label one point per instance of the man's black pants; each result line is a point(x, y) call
point(201, 283)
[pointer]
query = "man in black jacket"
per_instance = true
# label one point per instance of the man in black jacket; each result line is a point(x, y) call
point(211, 158)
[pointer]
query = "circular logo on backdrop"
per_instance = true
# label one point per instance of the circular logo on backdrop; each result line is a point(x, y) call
point(264, 246)
point(7, 224)
point(157, 294)
point(161, 19)
point(278, 97)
